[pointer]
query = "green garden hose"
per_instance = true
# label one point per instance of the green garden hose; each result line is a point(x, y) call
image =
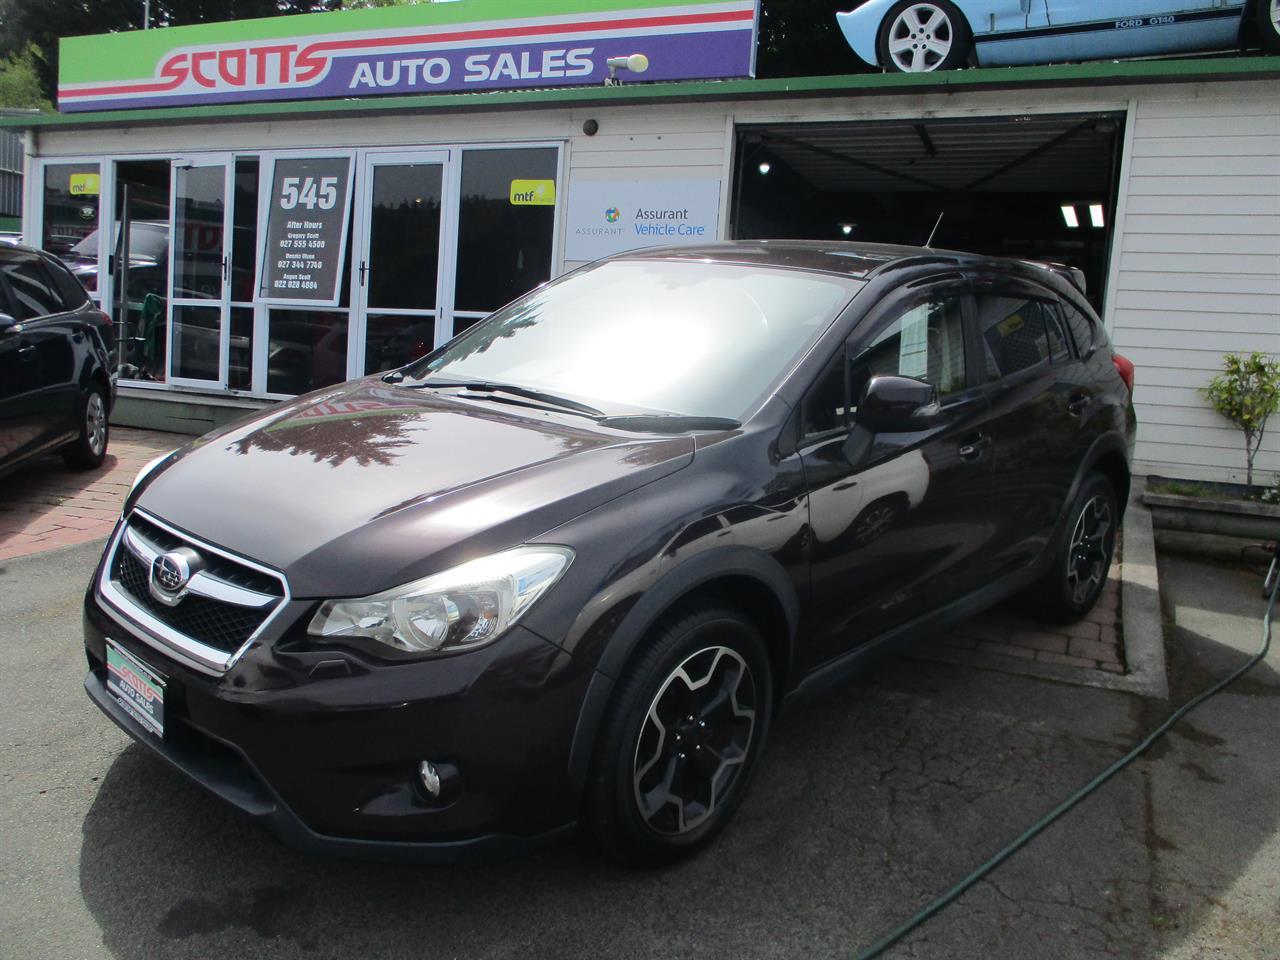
point(1270, 590)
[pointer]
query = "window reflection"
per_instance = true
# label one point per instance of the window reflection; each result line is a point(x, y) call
point(306, 350)
point(504, 248)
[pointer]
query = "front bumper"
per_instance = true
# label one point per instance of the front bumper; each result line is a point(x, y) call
point(323, 747)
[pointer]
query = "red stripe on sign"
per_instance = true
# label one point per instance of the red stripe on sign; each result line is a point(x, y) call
point(497, 33)
point(150, 86)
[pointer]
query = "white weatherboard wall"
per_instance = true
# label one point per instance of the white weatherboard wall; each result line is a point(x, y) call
point(1196, 265)
point(1198, 270)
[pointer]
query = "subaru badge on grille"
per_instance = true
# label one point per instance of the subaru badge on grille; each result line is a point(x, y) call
point(170, 573)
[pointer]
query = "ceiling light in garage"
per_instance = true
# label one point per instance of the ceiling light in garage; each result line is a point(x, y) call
point(765, 167)
point(847, 228)
point(1069, 214)
point(1097, 216)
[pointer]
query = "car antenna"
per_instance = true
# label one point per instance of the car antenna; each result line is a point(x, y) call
point(929, 243)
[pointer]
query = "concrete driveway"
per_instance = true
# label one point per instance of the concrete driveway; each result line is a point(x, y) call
point(869, 802)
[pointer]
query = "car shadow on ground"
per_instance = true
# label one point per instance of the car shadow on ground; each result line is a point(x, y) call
point(868, 803)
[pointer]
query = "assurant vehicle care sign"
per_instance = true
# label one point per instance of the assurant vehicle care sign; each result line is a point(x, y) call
point(425, 48)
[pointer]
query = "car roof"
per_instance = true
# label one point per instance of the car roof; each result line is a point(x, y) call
point(847, 258)
point(13, 250)
point(850, 258)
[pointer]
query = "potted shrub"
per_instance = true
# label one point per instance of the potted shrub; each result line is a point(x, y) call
point(1247, 393)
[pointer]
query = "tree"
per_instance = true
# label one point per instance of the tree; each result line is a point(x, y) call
point(37, 25)
point(800, 38)
point(1247, 392)
point(20, 85)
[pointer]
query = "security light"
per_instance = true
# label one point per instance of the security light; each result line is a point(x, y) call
point(636, 63)
point(1069, 214)
point(847, 228)
point(1097, 215)
point(765, 167)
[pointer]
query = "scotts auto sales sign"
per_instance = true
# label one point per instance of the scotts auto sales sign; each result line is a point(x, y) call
point(424, 48)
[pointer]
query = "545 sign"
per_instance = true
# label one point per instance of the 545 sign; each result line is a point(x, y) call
point(324, 197)
point(306, 230)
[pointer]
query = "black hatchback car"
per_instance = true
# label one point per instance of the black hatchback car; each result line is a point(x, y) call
point(568, 567)
point(56, 381)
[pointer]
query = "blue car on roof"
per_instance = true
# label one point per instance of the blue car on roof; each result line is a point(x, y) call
point(920, 36)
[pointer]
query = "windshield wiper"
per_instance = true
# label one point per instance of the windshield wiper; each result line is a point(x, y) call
point(669, 423)
point(488, 388)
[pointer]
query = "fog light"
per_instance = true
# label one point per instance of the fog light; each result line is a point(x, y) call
point(430, 778)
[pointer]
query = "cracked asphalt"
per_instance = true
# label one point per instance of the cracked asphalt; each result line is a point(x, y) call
point(869, 802)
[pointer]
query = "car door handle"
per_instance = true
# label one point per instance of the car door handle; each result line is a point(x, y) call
point(27, 351)
point(971, 447)
point(1078, 404)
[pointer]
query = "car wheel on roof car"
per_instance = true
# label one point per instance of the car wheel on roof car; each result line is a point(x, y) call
point(683, 737)
point(1074, 583)
point(1268, 14)
point(922, 37)
point(89, 449)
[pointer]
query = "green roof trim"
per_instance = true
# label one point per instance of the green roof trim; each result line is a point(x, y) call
point(1059, 75)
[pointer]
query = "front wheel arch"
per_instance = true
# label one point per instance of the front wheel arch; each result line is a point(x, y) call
point(746, 579)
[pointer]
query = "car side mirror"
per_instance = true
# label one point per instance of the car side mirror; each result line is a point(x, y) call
point(893, 404)
point(7, 323)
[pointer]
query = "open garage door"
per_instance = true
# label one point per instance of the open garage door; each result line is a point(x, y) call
point(1041, 187)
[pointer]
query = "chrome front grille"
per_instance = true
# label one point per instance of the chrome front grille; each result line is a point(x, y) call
point(223, 605)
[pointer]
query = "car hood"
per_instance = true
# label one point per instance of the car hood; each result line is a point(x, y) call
point(368, 486)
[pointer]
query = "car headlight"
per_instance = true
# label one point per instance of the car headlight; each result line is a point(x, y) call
point(459, 609)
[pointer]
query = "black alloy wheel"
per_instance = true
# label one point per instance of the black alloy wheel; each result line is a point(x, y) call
point(1089, 555)
point(1071, 588)
point(683, 737)
point(89, 449)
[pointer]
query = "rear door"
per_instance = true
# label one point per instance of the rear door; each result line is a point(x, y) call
point(896, 519)
point(46, 357)
point(1040, 399)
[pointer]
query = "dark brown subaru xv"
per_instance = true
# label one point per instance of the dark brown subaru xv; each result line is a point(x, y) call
point(568, 567)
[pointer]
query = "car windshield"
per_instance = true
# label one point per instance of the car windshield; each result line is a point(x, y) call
point(692, 338)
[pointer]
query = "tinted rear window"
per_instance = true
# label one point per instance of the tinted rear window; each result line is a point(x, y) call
point(30, 288)
point(71, 289)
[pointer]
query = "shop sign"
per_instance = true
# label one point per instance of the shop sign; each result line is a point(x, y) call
point(533, 193)
point(610, 216)
point(306, 230)
point(85, 184)
point(423, 48)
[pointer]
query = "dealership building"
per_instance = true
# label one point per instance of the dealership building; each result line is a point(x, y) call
point(271, 239)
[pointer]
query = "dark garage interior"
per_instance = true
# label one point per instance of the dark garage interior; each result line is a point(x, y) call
point(1040, 187)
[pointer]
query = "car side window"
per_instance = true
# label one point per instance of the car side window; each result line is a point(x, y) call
point(1059, 345)
point(1013, 330)
point(69, 288)
point(31, 289)
point(825, 407)
point(924, 341)
point(1082, 329)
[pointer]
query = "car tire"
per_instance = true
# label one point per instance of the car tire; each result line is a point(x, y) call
point(922, 36)
point(89, 449)
point(682, 737)
point(1267, 13)
point(1079, 572)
